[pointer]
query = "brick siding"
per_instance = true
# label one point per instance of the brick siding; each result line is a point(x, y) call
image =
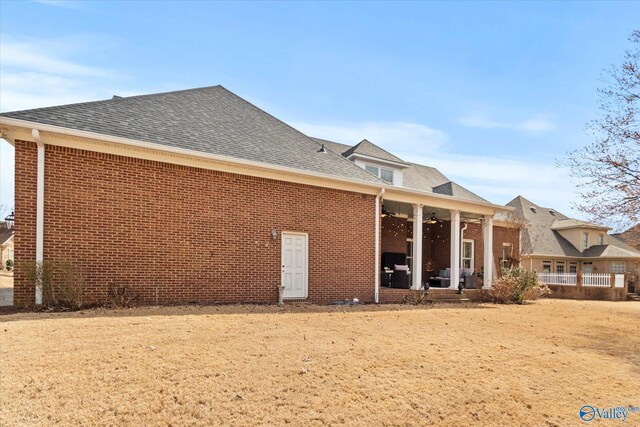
point(189, 233)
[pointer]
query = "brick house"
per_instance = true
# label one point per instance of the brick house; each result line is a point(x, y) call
point(198, 195)
point(555, 243)
point(6, 245)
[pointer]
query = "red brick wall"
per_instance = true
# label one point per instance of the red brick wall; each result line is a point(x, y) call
point(394, 233)
point(192, 234)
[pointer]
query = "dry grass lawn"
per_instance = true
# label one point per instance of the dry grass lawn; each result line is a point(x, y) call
point(390, 365)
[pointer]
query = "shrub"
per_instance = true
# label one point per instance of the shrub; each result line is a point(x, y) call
point(119, 295)
point(9, 264)
point(416, 297)
point(62, 283)
point(517, 285)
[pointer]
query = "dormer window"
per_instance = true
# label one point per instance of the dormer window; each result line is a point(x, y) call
point(384, 174)
point(585, 240)
point(533, 209)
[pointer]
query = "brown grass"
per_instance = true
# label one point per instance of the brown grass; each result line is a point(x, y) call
point(535, 364)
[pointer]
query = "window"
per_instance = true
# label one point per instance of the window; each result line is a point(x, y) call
point(601, 239)
point(559, 266)
point(467, 253)
point(585, 240)
point(617, 267)
point(10, 254)
point(546, 266)
point(573, 267)
point(587, 267)
point(507, 253)
point(384, 174)
point(372, 169)
point(410, 254)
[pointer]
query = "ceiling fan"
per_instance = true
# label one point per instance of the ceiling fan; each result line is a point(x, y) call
point(386, 213)
point(433, 219)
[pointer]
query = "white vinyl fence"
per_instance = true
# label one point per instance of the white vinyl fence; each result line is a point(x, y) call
point(588, 279)
point(601, 280)
point(557, 278)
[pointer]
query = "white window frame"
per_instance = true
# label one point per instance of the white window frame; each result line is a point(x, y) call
point(505, 261)
point(470, 259)
point(410, 248)
point(549, 263)
point(573, 265)
point(585, 240)
point(614, 267)
point(601, 239)
point(379, 170)
point(563, 264)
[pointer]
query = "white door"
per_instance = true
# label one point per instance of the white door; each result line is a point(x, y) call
point(295, 264)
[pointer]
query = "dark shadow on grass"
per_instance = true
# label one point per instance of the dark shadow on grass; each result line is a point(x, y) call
point(11, 314)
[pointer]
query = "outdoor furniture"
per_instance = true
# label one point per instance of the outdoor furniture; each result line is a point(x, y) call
point(443, 280)
point(396, 273)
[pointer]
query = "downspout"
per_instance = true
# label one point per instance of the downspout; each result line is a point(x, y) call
point(464, 227)
point(377, 246)
point(39, 214)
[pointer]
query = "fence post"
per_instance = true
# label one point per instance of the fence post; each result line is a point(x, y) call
point(579, 279)
point(612, 280)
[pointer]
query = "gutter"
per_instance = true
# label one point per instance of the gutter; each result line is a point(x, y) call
point(377, 246)
point(39, 214)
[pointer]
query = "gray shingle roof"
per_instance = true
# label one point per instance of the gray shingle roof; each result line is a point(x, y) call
point(336, 147)
point(210, 120)
point(369, 149)
point(540, 239)
point(5, 233)
point(426, 178)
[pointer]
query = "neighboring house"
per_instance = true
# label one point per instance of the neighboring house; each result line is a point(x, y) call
point(631, 237)
point(6, 245)
point(198, 195)
point(554, 243)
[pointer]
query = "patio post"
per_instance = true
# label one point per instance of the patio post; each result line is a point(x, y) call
point(416, 274)
point(455, 250)
point(487, 224)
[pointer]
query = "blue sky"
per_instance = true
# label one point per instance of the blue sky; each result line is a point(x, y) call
point(490, 93)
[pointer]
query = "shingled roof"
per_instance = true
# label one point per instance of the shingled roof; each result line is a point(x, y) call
point(369, 149)
point(209, 120)
point(539, 238)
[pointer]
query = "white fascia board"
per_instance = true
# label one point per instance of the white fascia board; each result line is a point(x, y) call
point(378, 160)
point(91, 141)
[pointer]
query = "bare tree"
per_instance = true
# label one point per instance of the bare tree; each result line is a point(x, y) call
point(608, 170)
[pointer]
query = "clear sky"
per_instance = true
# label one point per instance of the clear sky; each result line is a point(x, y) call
point(492, 94)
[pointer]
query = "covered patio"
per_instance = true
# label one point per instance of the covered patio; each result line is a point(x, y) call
point(444, 242)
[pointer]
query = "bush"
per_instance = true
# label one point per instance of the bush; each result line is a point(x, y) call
point(62, 283)
point(9, 264)
point(119, 295)
point(517, 285)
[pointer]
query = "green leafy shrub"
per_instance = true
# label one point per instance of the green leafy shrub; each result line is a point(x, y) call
point(517, 285)
point(9, 264)
point(62, 282)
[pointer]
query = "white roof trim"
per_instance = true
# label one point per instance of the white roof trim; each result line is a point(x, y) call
point(379, 160)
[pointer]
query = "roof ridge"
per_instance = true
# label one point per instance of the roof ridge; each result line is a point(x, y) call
point(118, 99)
